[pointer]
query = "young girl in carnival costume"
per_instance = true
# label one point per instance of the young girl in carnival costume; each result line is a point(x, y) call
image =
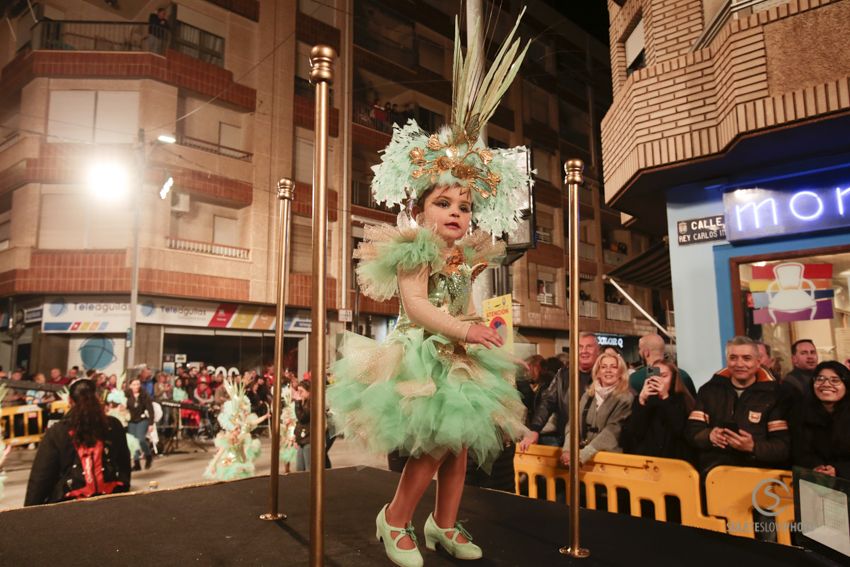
point(440, 385)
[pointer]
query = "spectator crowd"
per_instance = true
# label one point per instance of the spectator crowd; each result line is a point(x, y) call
point(744, 415)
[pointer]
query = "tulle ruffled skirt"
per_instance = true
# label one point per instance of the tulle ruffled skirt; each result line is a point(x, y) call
point(420, 394)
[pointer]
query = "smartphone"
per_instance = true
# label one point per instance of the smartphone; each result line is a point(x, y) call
point(653, 371)
point(730, 425)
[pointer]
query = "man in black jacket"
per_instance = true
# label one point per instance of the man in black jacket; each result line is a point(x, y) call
point(739, 418)
point(556, 398)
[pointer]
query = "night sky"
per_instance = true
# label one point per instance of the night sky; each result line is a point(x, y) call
point(591, 15)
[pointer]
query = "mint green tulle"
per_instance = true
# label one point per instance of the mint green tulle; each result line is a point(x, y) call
point(425, 401)
point(383, 257)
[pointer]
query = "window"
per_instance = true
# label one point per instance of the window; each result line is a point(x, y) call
point(199, 44)
point(68, 219)
point(803, 295)
point(431, 56)
point(635, 49)
point(545, 288)
point(429, 120)
point(225, 231)
point(542, 161)
point(5, 219)
point(301, 247)
point(495, 143)
point(304, 161)
point(230, 139)
point(355, 242)
point(545, 225)
point(536, 103)
point(103, 117)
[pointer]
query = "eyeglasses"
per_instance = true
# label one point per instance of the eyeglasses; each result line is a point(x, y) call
point(831, 380)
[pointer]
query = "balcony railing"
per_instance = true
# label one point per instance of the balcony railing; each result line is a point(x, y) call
point(546, 298)
point(617, 312)
point(212, 147)
point(209, 248)
point(98, 36)
point(586, 251)
point(588, 309)
point(361, 194)
point(613, 258)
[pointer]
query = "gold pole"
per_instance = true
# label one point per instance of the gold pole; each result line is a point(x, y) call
point(574, 179)
point(321, 74)
point(285, 195)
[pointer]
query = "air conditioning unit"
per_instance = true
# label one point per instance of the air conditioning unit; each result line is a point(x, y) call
point(180, 202)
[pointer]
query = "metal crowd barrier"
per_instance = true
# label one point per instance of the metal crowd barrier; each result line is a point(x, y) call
point(731, 492)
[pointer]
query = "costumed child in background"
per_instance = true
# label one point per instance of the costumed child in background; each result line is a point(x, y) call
point(439, 386)
point(288, 421)
point(116, 406)
point(237, 449)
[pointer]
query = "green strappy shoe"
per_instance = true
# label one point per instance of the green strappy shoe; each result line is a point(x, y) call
point(434, 534)
point(401, 557)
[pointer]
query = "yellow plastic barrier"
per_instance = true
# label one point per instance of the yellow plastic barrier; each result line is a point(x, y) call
point(731, 493)
point(644, 478)
point(7, 415)
point(59, 406)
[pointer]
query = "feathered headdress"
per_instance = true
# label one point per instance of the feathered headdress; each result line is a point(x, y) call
point(414, 160)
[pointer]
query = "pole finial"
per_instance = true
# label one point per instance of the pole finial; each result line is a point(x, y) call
point(321, 64)
point(574, 169)
point(285, 188)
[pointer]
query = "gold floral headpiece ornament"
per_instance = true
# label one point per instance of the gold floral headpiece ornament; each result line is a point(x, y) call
point(497, 179)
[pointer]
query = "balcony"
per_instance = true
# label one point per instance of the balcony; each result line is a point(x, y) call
point(368, 115)
point(589, 309)
point(361, 195)
point(213, 148)
point(72, 35)
point(586, 251)
point(617, 312)
point(208, 248)
point(613, 258)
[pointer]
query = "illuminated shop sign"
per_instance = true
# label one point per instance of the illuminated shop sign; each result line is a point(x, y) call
point(758, 213)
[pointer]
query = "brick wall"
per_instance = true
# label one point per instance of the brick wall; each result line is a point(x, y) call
point(695, 105)
point(174, 69)
point(107, 271)
point(303, 203)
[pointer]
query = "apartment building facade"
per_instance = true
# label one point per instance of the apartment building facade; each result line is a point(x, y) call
point(87, 83)
point(727, 135)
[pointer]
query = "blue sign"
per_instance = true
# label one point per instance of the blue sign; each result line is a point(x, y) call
point(759, 213)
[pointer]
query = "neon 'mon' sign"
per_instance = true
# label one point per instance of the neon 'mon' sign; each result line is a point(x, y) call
point(758, 213)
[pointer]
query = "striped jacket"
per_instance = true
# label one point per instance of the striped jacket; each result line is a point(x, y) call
point(759, 410)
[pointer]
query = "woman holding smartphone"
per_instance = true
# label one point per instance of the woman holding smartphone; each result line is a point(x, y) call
point(659, 414)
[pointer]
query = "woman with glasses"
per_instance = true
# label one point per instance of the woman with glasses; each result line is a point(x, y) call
point(821, 425)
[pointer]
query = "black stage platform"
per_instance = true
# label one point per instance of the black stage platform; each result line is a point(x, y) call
point(217, 525)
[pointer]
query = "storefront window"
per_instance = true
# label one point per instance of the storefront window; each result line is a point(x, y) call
point(787, 297)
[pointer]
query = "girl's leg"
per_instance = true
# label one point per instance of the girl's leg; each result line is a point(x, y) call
point(415, 478)
point(450, 479)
